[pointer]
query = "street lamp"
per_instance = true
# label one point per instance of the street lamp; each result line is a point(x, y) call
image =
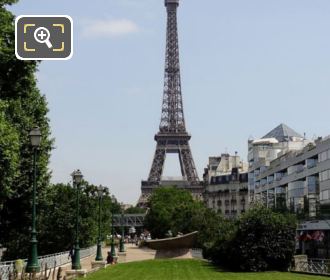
point(77, 179)
point(121, 243)
point(100, 192)
point(33, 264)
point(113, 249)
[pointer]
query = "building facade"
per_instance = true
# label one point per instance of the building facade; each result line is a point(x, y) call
point(286, 170)
point(226, 185)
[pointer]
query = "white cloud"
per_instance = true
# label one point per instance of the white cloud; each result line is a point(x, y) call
point(109, 28)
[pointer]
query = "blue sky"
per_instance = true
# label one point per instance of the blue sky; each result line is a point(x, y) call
point(246, 66)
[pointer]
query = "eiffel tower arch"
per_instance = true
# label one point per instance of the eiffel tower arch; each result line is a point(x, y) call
point(172, 136)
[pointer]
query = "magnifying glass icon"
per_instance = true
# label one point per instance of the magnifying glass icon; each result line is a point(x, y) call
point(41, 35)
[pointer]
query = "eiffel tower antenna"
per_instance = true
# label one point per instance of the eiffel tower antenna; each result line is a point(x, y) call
point(172, 136)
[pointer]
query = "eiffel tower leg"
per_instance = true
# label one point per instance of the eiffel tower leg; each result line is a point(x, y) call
point(181, 165)
point(157, 164)
point(188, 164)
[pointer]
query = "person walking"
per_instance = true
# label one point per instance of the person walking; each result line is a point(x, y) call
point(71, 254)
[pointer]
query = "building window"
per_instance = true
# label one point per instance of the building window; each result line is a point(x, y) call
point(325, 195)
point(278, 176)
point(263, 169)
point(270, 179)
point(324, 175)
point(310, 163)
point(311, 183)
point(324, 156)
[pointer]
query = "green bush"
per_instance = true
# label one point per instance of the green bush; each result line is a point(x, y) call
point(260, 240)
point(175, 210)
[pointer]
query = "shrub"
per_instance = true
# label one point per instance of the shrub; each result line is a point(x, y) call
point(261, 240)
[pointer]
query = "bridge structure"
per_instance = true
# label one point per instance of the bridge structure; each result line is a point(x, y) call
point(128, 220)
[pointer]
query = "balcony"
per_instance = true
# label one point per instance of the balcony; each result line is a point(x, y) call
point(310, 163)
point(300, 169)
point(279, 177)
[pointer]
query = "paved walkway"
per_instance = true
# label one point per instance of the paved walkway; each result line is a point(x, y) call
point(133, 253)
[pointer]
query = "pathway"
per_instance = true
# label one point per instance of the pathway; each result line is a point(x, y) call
point(133, 253)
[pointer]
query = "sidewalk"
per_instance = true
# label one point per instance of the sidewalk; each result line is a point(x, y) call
point(86, 263)
point(133, 253)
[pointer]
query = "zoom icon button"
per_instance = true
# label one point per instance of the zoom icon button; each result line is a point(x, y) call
point(43, 37)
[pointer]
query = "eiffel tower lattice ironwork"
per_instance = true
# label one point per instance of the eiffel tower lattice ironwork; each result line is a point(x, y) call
point(172, 136)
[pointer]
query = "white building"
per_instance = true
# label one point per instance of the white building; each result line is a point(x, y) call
point(286, 168)
point(226, 189)
point(261, 152)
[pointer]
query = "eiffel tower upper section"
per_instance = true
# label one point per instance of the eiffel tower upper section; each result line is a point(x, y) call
point(172, 119)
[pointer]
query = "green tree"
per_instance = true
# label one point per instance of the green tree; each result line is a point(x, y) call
point(175, 210)
point(170, 209)
point(22, 108)
point(260, 240)
point(58, 217)
point(135, 210)
point(219, 246)
point(9, 156)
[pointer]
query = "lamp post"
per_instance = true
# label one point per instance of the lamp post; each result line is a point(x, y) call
point(121, 244)
point(33, 264)
point(77, 178)
point(113, 249)
point(100, 192)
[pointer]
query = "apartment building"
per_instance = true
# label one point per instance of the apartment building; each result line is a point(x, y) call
point(293, 171)
point(226, 185)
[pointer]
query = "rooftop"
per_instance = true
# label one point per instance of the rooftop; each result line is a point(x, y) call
point(283, 133)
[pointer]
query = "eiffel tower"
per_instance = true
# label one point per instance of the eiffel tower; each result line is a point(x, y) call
point(172, 136)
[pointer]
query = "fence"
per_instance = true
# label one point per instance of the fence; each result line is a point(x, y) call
point(313, 266)
point(52, 261)
point(6, 268)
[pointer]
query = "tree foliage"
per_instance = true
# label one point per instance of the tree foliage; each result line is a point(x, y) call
point(9, 156)
point(260, 240)
point(175, 210)
point(135, 210)
point(58, 217)
point(21, 108)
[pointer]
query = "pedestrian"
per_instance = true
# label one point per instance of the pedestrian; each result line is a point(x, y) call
point(71, 254)
point(109, 258)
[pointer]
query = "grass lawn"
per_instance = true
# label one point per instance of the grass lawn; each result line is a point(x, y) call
point(186, 269)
